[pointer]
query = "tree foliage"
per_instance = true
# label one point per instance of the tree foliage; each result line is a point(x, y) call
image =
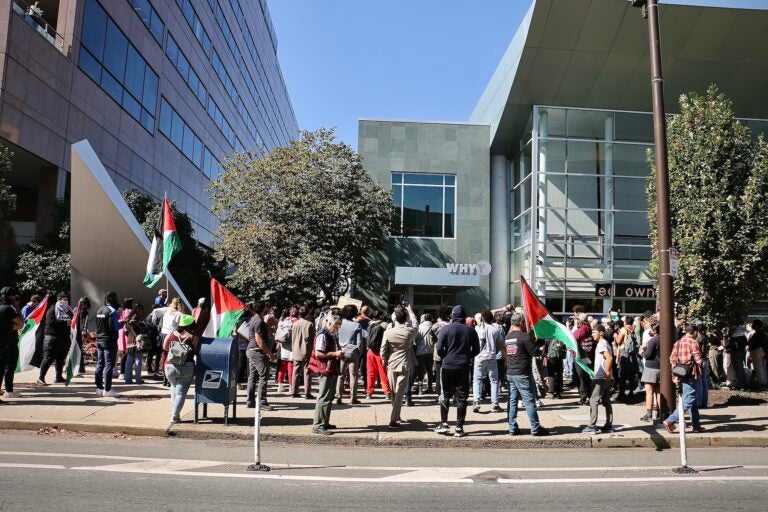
point(8, 250)
point(299, 220)
point(43, 265)
point(190, 266)
point(718, 180)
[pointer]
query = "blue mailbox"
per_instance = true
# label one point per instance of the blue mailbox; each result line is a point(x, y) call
point(216, 375)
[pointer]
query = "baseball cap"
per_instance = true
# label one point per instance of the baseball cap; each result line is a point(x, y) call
point(201, 300)
point(186, 320)
point(582, 317)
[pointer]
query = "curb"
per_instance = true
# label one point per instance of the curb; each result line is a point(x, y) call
point(386, 440)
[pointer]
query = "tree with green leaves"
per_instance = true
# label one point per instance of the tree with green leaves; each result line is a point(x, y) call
point(300, 220)
point(44, 265)
point(189, 267)
point(7, 207)
point(718, 177)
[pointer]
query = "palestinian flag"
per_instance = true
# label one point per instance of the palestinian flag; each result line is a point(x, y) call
point(165, 245)
point(28, 336)
point(226, 310)
point(547, 328)
point(74, 350)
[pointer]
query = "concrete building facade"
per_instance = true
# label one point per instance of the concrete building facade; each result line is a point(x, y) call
point(163, 90)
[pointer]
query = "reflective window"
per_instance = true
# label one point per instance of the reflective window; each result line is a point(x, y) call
point(425, 205)
point(115, 64)
point(196, 25)
point(150, 18)
point(181, 63)
point(184, 138)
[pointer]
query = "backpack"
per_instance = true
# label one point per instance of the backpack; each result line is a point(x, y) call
point(179, 352)
point(283, 333)
point(375, 335)
point(557, 350)
point(631, 346)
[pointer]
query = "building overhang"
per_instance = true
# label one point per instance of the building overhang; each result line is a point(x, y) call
point(594, 54)
point(439, 276)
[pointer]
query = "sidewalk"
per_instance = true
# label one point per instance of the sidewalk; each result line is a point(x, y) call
point(145, 410)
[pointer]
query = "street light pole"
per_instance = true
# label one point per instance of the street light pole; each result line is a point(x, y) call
point(666, 292)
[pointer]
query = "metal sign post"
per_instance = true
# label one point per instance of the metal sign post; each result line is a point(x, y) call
point(683, 469)
point(257, 465)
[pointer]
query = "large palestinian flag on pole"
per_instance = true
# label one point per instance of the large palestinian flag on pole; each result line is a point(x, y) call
point(74, 351)
point(226, 310)
point(28, 336)
point(165, 245)
point(547, 328)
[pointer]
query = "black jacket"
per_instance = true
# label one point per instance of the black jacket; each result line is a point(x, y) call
point(55, 327)
point(457, 343)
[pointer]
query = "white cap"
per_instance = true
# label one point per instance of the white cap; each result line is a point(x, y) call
point(201, 300)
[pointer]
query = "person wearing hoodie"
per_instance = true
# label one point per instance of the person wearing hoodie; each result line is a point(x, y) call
point(456, 345)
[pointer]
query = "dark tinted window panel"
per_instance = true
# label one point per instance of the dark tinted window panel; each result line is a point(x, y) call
point(90, 66)
point(177, 130)
point(422, 211)
point(115, 51)
point(134, 76)
point(450, 212)
point(166, 117)
point(149, 97)
point(132, 106)
point(157, 27)
point(94, 28)
point(112, 87)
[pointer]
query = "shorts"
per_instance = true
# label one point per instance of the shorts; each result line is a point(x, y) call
point(650, 376)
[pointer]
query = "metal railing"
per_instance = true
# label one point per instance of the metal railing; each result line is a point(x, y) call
point(27, 12)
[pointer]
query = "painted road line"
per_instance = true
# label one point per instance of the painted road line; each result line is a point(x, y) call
point(193, 463)
point(639, 479)
point(30, 466)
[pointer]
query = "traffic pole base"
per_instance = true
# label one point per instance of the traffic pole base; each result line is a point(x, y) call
point(684, 470)
point(258, 467)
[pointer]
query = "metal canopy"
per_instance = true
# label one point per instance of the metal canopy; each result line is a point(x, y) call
point(594, 54)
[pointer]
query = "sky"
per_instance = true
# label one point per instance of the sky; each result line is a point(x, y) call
point(424, 60)
point(389, 59)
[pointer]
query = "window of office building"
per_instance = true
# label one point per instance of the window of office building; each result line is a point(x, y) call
point(196, 25)
point(181, 134)
point(425, 205)
point(111, 61)
point(150, 18)
point(182, 65)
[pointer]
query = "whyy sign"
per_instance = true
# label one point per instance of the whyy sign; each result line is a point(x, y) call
point(481, 268)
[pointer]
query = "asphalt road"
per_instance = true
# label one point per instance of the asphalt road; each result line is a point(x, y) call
point(82, 473)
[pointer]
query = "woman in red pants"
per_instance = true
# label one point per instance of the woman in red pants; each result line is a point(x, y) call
point(374, 366)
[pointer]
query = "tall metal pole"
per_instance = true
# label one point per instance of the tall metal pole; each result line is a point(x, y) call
point(666, 292)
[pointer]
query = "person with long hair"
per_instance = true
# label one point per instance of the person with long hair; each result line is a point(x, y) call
point(169, 324)
point(135, 329)
point(123, 315)
point(651, 373)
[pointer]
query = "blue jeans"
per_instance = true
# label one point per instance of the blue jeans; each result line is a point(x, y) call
point(180, 378)
point(689, 404)
point(568, 366)
point(522, 386)
point(133, 368)
point(106, 354)
point(483, 368)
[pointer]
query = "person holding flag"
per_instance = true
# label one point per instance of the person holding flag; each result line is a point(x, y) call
point(75, 353)
point(27, 340)
point(226, 310)
point(165, 245)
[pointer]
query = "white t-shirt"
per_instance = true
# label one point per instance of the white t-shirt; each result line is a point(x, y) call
point(170, 322)
point(602, 346)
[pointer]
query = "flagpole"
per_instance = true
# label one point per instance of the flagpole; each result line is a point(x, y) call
point(167, 284)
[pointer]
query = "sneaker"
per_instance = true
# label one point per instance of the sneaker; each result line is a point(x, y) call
point(111, 393)
point(514, 432)
point(309, 397)
point(496, 408)
point(409, 403)
point(322, 431)
point(330, 426)
point(295, 395)
point(12, 394)
point(369, 396)
point(698, 430)
point(606, 429)
point(442, 428)
point(41, 382)
point(99, 392)
point(540, 432)
point(354, 401)
point(250, 405)
point(475, 407)
point(647, 418)
point(459, 432)
point(669, 426)
point(539, 404)
point(339, 401)
point(265, 406)
point(591, 430)
point(279, 388)
point(393, 425)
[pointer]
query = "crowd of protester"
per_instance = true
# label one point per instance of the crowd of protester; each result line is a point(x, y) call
point(347, 355)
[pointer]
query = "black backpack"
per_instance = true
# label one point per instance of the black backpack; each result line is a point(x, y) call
point(376, 335)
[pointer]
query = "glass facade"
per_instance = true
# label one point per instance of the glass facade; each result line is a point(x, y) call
point(579, 207)
point(150, 18)
point(116, 65)
point(425, 205)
